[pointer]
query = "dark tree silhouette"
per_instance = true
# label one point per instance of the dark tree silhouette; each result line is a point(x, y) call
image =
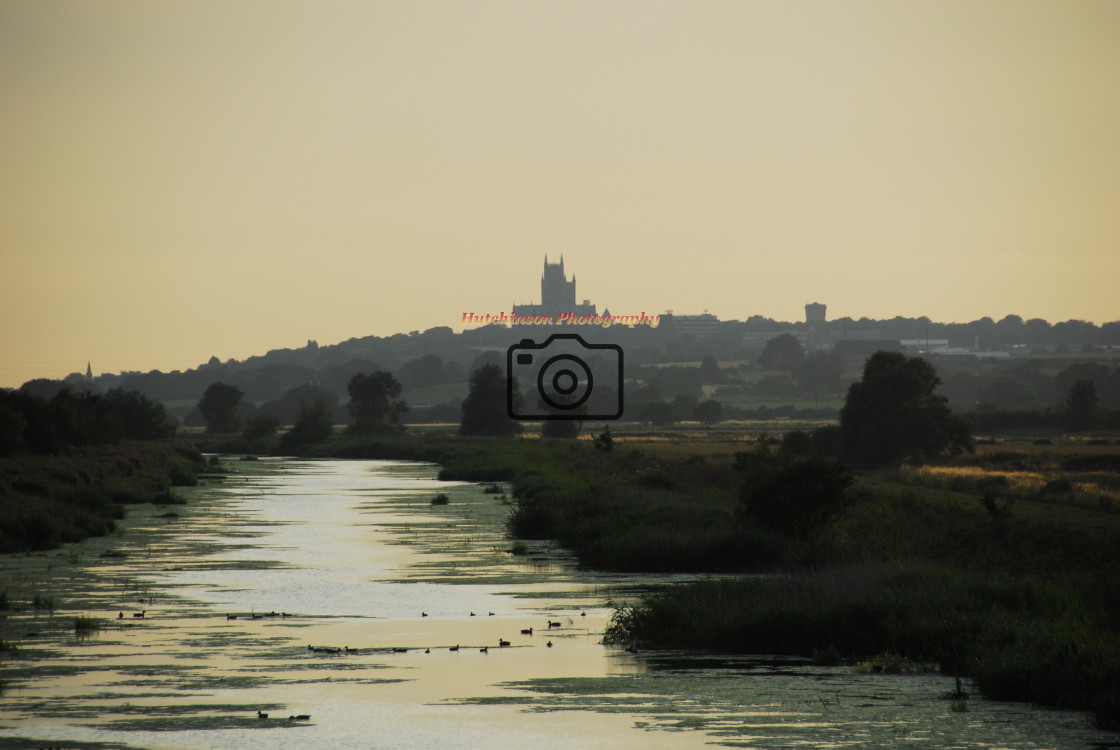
point(708, 412)
point(710, 372)
point(893, 413)
point(484, 408)
point(782, 352)
point(658, 412)
point(795, 497)
point(1081, 406)
point(821, 373)
point(314, 425)
point(218, 406)
point(374, 402)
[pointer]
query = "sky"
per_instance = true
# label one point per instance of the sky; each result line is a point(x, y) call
point(181, 180)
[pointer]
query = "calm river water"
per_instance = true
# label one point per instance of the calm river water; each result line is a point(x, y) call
point(339, 591)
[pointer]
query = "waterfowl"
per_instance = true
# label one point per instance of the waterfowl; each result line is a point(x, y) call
point(301, 717)
point(502, 643)
point(552, 624)
point(400, 650)
point(231, 617)
point(485, 649)
point(261, 715)
point(549, 644)
point(427, 651)
point(139, 614)
point(120, 615)
point(472, 614)
point(527, 631)
point(423, 614)
point(453, 648)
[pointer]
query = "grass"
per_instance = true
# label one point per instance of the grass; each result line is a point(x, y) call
point(87, 625)
point(1027, 603)
point(53, 500)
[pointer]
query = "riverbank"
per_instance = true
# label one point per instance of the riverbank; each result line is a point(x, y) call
point(49, 500)
point(1001, 566)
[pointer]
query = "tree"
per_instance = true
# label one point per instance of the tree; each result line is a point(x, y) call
point(1081, 406)
point(708, 412)
point(218, 406)
point(314, 425)
point(286, 409)
point(893, 413)
point(798, 498)
point(568, 429)
point(1007, 392)
point(710, 372)
point(782, 352)
point(658, 412)
point(134, 416)
point(821, 372)
point(374, 402)
point(260, 427)
point(604, 441)
point(484, 408)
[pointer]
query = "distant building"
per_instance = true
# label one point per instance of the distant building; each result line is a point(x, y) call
point(694, 325)
point(558, 295)
point(815, 314)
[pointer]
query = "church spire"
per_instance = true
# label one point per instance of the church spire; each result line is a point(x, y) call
point(89, 371)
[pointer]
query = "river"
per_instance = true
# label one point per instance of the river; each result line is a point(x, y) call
point(339, 591)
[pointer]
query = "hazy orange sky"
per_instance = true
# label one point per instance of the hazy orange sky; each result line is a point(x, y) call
point(186, 179)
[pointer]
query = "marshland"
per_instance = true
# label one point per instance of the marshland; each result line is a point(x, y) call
point(680, 625)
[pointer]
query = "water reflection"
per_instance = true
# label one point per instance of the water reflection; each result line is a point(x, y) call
point(338, 590)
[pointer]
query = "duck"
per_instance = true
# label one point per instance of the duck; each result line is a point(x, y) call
point(262, 715)
point(549, 644)
point(140, 614)
point(527, 631)
point(485, 650)
point(453, 648)
point(502, 643)
point(552, 624)
point(300, 717)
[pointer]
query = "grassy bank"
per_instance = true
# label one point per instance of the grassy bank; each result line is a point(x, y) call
point(50, 500)
point(1003, 566)
point(1021, 638)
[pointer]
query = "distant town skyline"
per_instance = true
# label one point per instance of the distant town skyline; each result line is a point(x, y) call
point(186, 180)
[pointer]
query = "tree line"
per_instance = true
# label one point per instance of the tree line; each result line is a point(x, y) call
point(70, 418)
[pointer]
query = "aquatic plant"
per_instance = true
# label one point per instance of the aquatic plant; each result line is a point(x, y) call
point(87, 625)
